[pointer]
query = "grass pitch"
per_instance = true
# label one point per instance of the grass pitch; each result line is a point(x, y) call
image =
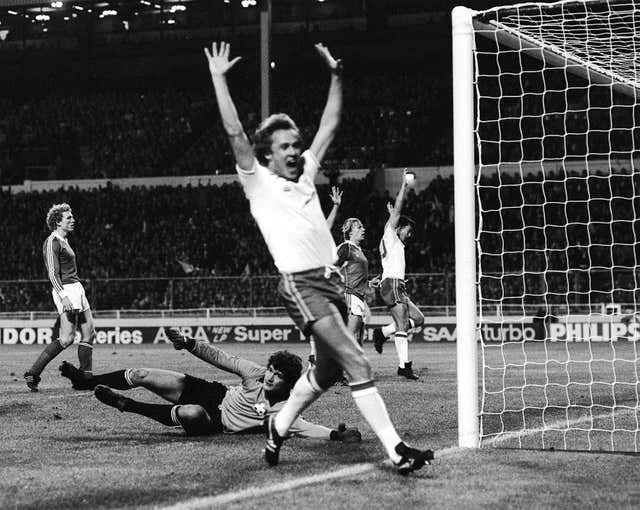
point(64, 449)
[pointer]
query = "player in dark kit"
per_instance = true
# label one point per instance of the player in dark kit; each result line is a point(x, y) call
point(355, 269)
point(278, 179)
point(207, 407)
point(68, 296)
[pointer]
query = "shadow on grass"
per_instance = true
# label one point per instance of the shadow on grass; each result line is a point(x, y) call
point(14, 407)
point(112, 497)
point(177, 436)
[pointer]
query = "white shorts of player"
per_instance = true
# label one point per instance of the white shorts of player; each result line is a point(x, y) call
point(357, 306)
point(75, 292)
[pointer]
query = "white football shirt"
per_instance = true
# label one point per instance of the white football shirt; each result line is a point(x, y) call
point(392, 254)
point(289, 216)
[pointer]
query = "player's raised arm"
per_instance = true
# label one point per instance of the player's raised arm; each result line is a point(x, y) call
point(395, 209)
point(219, 65)
point(333, 109)
point(212, 355)
point(336, 198)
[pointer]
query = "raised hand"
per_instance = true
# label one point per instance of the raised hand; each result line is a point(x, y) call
point(335, 66)
point(390, 208)
point(218, 58)
point(336, 195)
point(179, 340)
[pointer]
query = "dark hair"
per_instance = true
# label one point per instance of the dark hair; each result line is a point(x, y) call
point(262, 137)
point(405, 220)
point(289, 364)
point(54, 216)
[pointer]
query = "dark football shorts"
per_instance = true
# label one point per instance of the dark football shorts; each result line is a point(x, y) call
point(310, 295)
point(393, 291)
point(207, 394)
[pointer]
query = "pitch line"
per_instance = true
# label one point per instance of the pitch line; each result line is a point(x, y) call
point(257, 492)
point(296, 483)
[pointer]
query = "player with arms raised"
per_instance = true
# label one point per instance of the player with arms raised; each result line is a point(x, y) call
point(278, 179)
point(406, 315)
point(68, 296)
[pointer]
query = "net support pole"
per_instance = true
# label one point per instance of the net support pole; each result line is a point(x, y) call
point(265, 58)
point(465, 224)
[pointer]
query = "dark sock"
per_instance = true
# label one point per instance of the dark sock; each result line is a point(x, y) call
point(158, 412)
point(85, 356)
point(114, 380)
point(49, 352)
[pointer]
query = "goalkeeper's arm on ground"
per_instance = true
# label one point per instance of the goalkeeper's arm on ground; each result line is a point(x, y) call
point(304, 428)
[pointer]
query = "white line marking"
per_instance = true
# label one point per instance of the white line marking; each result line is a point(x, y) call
point(295, 483)
point(255, 492)
point(71, 395)
point(560, 425)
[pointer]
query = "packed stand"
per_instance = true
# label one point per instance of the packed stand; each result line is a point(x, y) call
point(170, 235)
point(391, 119)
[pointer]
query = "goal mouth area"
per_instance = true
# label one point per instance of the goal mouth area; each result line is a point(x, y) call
point(592, 24)
point(550, 94)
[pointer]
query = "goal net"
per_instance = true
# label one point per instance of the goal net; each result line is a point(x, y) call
point(557, 195)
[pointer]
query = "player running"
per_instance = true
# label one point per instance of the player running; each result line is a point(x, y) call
point(68, 296)
point(208, 407)
point(393, 293)
point(278, 179)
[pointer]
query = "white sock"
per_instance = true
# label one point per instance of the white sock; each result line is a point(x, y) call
point(389, 329)
point(303, 394)
point(312, 345)
point(372, 407)
point(402, 347)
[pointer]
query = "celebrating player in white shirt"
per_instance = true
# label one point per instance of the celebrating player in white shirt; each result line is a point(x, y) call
point(406, 315)
point(278, 179)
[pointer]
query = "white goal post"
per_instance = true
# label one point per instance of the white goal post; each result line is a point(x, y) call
point(547, 214)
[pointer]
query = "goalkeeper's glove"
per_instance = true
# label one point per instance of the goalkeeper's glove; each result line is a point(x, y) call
point(180, 340)
point(346, 435)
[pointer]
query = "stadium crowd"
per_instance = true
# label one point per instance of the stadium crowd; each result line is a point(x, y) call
point(169, 234)
point(173, 129)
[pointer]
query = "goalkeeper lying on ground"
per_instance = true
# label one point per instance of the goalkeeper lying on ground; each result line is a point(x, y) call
point(204, 408)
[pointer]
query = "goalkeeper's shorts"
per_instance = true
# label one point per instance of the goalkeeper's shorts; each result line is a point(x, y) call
point(208, 395)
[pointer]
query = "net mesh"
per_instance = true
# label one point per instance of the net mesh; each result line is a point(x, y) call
point(558, 224)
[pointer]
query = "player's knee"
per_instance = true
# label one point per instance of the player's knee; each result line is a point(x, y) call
point(191, 413)
point(90, 338)
point(66, 340)
point(328, 376)
point(418, 319)
point(194, 420)
point(358, 368)
point(137, 375)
